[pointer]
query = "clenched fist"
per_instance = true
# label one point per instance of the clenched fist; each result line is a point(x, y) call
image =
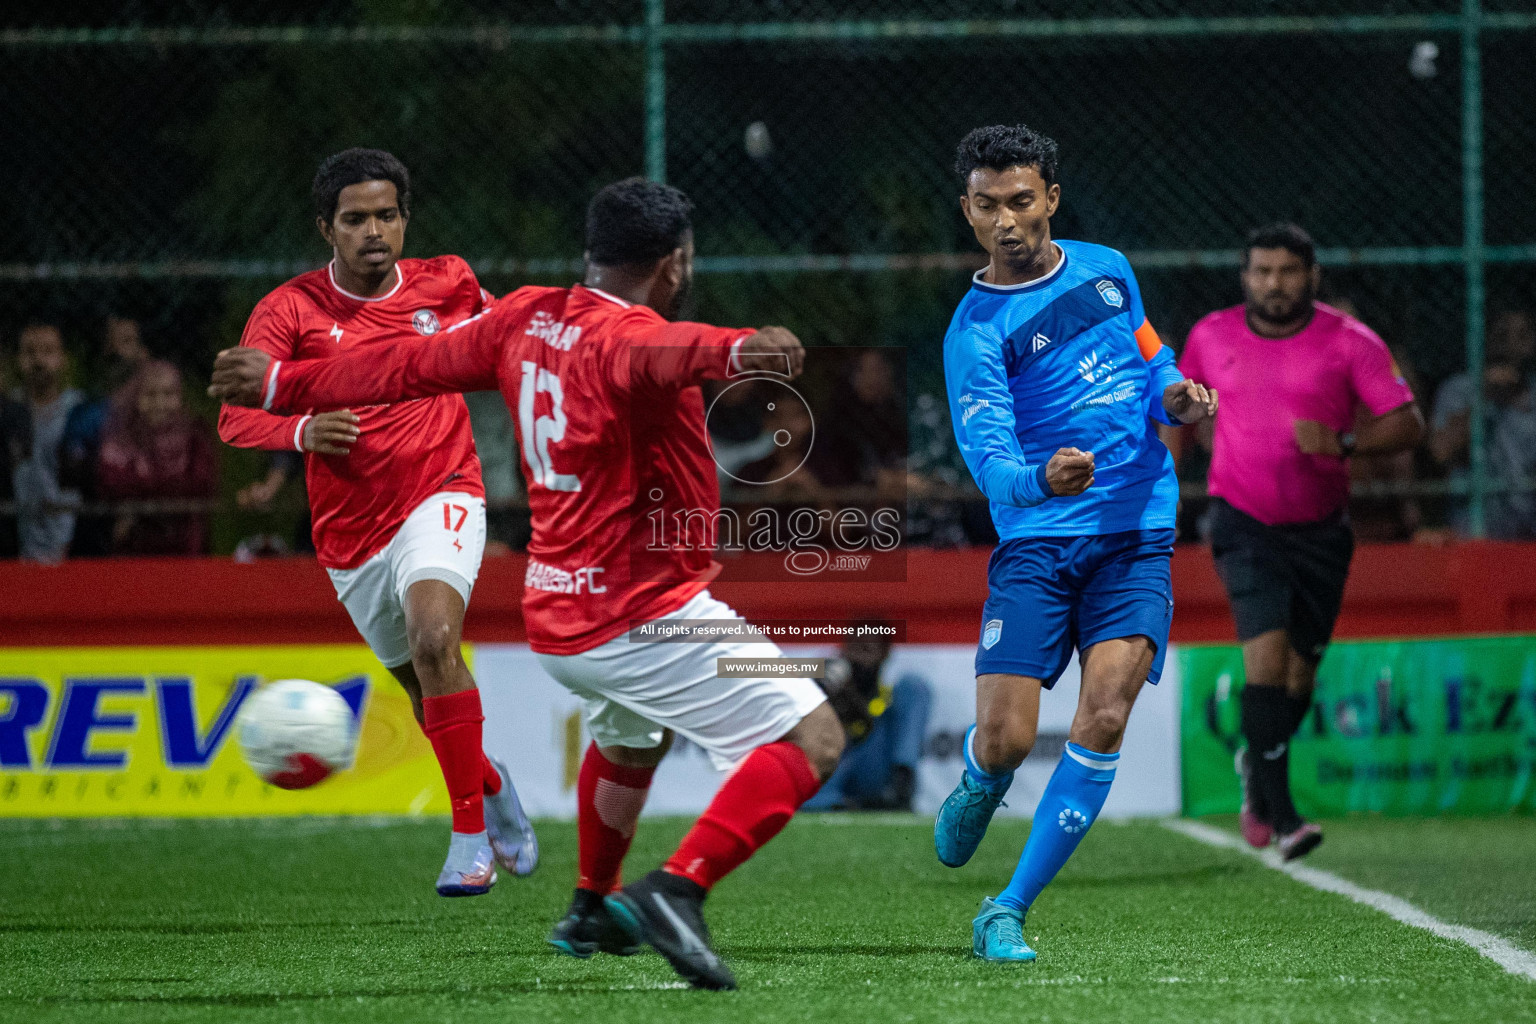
point(771, 350)
point(239, 374)
point(1189, 402)
point(1069, 473)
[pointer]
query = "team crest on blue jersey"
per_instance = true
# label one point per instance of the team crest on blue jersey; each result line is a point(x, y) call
point(425, 321)
point(1111, 293)
point(992, 634)
point(1093, 371)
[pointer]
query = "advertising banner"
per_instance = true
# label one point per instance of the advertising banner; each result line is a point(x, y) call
point(150, 731)
point(132, 731)
point(1400, 727)
point(537, 727)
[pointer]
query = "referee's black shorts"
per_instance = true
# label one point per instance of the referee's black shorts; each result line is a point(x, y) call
point(1287, 577)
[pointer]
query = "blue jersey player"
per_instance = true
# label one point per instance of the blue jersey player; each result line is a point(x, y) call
point(1055, 378)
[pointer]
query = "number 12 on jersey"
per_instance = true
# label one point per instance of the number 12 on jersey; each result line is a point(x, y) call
point(539, 432)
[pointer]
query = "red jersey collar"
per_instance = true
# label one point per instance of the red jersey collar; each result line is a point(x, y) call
point(330, 274)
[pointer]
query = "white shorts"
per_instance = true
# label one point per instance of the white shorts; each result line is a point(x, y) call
point(633, 691)
point(442, 539)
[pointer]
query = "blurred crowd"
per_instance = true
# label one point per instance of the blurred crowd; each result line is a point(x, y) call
point(123, 467)
point(127, 462)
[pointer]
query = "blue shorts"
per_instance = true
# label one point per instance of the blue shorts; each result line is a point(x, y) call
point(1048, 595)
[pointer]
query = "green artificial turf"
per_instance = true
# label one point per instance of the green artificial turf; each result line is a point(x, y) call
point(1473, 871)
point(840, 919)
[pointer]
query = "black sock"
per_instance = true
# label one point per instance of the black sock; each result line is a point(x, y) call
point(1299, 707)
point(1268, 717)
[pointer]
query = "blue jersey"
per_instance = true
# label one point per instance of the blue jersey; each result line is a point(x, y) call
point(1065, 361)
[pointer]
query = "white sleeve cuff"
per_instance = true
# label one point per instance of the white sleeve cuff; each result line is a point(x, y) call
point(271, 389)
point(734, 363)
point(298, 432)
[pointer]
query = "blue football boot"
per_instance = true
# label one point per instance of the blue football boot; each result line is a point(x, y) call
point(997, 934)
point(963, 820)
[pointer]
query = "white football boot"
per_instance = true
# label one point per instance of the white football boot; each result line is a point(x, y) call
point(470, 869)
point(511, 833)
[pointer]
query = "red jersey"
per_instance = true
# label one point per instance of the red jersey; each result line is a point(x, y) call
point(611, 424)
point(407, 451)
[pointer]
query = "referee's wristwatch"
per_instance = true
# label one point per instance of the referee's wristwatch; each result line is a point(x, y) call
point(1347, 443)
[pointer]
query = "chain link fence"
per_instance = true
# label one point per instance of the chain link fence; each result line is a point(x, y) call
point(162, 152)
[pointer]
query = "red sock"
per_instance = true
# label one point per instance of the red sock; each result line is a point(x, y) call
point(608, 802)
point(756, 801)
point(490, 778)
point(453, 726)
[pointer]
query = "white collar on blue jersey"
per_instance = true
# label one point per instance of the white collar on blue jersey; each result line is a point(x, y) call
point(1038, 282)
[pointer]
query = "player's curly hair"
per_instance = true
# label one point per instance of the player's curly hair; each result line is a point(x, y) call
point(1001, 146)
point(636, 221)
point(351, 166)
point(1283, 235)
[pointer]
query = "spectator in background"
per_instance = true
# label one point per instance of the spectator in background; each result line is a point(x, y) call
point(153, 449)
point(864, 442)
point(15, 448)
point(123, 352)
point(1509, 425)
point(885, 726)
point(951, 512)
point(735, 420)
point(46, 520)
point(260, 496)
point(788, 472)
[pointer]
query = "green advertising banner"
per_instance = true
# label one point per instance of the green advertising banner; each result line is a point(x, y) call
point(1401, 727)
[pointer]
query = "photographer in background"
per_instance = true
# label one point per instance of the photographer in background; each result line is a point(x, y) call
point(1509, 424)
point(885, 726)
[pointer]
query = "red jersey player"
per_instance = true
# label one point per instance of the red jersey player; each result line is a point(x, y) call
point(612, 428)
point(395, 492)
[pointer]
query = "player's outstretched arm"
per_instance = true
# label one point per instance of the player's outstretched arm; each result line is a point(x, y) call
point(239, 375)
point(465, 358)
point(682, 354)
point(771, 350)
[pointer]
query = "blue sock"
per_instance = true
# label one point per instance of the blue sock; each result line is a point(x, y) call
point(1071, 801)
point(991, 783)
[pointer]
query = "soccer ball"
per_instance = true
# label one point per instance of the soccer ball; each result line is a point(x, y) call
point(295, 733)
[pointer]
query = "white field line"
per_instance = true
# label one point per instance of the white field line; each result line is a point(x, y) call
point(1502, 952)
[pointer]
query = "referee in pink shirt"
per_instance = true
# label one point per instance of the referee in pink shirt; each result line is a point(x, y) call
point(1291, 372)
